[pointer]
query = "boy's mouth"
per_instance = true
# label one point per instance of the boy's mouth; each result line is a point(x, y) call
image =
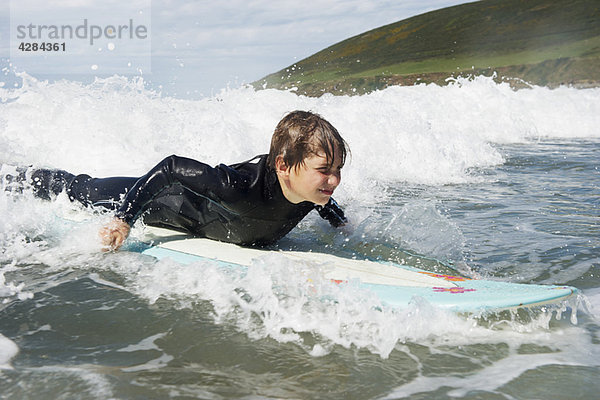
point(327, 192)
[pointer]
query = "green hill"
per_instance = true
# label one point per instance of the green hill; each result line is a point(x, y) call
point(542, 42)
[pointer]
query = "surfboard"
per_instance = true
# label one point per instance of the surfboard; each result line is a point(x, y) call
point(395, 285)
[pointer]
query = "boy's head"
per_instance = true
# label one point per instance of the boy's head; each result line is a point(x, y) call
point(307, 153)
point(301, 134)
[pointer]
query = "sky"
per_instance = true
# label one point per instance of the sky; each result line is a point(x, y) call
point(190, 48)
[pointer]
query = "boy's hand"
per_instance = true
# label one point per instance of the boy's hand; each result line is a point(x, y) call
point(114, 234)
point(332, 213)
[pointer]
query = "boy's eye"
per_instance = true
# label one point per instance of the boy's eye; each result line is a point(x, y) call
point(327, 170)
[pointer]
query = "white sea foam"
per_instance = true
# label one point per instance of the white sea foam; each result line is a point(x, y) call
point(423, 134)
point(569, 346)
point(8, 349)
point(290, 302)
point(593, 297)
point(80, 381)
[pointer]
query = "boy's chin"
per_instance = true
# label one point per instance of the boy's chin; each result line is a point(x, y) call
point(322, 200)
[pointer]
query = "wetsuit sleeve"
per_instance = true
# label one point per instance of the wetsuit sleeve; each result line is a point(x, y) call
point(333, 213)
point(198, 177)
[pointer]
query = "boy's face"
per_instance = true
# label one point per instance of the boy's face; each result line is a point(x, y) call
point(313, 181)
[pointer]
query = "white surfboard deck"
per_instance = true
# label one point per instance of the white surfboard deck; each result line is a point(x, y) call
point(396, 285)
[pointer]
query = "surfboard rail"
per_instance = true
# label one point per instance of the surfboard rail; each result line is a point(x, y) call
point(394, 284)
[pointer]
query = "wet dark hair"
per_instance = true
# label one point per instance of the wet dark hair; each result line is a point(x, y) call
point(301, 134)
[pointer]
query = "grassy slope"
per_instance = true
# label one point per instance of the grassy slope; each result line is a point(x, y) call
point(545, 42)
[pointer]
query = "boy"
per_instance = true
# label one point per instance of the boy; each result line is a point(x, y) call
point(251, 203)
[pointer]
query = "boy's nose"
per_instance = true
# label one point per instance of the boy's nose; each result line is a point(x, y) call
point(334, 179)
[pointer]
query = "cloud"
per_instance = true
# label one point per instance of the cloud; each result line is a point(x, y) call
point(316, 24)
point(243, 39)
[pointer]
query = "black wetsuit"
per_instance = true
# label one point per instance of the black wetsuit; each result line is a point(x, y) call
point(241, 203)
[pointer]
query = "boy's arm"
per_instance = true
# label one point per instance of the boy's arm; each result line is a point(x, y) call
point(333, 213)
point(194, 175)
point(173, 170)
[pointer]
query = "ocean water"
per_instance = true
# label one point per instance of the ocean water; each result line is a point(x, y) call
point(472, 177)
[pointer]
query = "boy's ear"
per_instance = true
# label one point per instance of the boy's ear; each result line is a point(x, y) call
point(281, 167)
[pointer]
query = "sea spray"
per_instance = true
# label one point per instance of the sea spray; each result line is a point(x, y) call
point(424, 134)
point(291, 302)
point(504, 182)
point(8, 350)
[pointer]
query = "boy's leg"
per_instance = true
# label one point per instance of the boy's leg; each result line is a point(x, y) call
point(46, 184)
